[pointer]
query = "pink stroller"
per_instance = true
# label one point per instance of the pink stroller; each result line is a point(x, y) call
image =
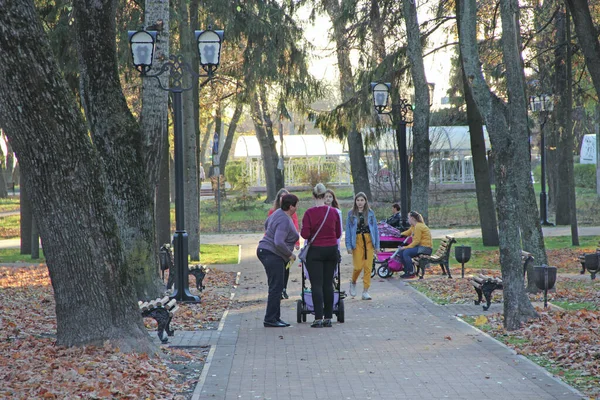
point(384, 262)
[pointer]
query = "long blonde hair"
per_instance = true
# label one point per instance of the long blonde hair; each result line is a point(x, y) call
point(277, 201)
point(355, 207)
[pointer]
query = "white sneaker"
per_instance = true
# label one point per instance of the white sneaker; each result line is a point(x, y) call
point(365, 295)
point(352, 289)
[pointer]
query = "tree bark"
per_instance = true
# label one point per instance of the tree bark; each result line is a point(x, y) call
point(420, 129)
point(268, 123)
point(510, 145)
point(205, 139)
point(154, 114)
point(567, 210)
point(95, 298)
point(26, 219)
point(483, 187)
point(356, 151)
point(267, 146)
point(163, 197)
point(237, 113)
point(118, 138)
point(190, 169)
point(587, 36)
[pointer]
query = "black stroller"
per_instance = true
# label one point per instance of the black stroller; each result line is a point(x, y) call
point(305, 305)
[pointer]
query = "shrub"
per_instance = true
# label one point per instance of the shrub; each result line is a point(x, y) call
point(313, 176)
point(233, 172)
point(585, 175)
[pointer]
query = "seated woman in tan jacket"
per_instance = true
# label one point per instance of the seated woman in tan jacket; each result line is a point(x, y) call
point(421, 243)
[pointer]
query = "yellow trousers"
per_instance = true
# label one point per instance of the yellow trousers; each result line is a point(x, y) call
point(362, 259)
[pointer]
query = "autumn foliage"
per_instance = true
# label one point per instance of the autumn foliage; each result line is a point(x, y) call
point(33, 367)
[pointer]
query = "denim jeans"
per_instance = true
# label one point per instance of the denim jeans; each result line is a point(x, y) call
point(274, 267)
point(407, 254)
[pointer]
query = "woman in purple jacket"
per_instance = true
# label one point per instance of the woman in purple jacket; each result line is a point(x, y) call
point(274, 251)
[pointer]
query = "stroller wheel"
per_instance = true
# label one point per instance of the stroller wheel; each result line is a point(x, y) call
point(340, 311)
point(299, 311)
point(383, 271)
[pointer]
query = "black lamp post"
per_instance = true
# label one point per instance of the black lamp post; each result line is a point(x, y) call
point(397, 113)
point(209, 49)
point(542, 104)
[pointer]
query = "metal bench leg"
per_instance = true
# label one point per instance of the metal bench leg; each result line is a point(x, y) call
point(479, 296)
point(163, 319)
point(199, 275)
point(488, 288)
point(447, 266)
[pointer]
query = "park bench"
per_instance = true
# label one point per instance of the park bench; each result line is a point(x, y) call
point(485, 285)
point(582, 261)
point(167, 262)
point(441, 257)
point(162, 310)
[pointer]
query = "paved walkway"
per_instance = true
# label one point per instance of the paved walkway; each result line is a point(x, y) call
point(398, 346)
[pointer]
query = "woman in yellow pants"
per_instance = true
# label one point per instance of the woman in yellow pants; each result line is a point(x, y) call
point(362, 240)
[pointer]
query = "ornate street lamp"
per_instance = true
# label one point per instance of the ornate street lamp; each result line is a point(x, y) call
point(398, 113)
point(542, 104)
point(209, 50)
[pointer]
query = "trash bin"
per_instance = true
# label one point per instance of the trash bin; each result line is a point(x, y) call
point(462, 255)
point(544, 278)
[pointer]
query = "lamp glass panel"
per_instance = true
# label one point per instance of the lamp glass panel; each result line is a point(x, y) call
point(142, 47)
point(380, 95)
point(209, 48)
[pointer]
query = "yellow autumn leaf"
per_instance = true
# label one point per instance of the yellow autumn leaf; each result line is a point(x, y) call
point(481, 320)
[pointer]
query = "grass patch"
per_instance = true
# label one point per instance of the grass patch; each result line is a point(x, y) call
point(568, 305)
point(431, 294)
point(13, 256)
point(219, 254)
point(10, 204)
point(581, 380)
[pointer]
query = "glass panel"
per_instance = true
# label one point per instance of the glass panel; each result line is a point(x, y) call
point(209, 47)
point(142, 53)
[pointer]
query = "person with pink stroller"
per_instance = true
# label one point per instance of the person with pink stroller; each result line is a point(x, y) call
point(421, 243)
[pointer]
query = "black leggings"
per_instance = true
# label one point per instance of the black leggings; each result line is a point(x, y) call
point(320, 264)
point(286, 278)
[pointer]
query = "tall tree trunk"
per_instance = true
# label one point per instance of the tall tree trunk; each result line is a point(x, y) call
point(587, 36)
point(93, 289)
point(190, 151)
point(163, 198)
point(3, 173)
point(563, 126)
point(567, 211)
point(483, 187)
point(267, 146)
point(26, 219)
point(204, 144)
point(271, 136)
point(118, 138)
point(155, 127)
point(510, 147)
point(420, 129)
point(155, 100)
point(360, 173)
point(237, 113)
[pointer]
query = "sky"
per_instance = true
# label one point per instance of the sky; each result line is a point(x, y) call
point(324, 61)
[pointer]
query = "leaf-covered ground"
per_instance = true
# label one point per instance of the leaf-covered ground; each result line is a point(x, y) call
point(566, 342)
point(33, 367)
